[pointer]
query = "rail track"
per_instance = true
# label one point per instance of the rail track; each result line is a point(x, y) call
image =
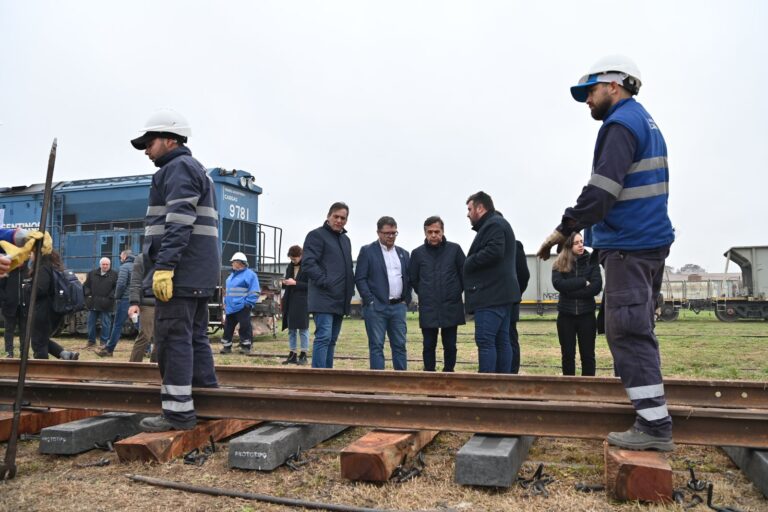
point(705, 412)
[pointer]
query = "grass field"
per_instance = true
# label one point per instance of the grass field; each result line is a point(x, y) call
point(695, 346)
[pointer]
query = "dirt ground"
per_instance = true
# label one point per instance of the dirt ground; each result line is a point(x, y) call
point(58, 483)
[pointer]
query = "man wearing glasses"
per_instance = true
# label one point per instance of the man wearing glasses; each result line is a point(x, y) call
point(382, 280)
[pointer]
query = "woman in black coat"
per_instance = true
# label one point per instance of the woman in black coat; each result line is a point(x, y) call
point(578, 280)
point(46, 319)
point(295, 311)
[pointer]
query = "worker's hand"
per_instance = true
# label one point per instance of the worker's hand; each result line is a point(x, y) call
point(556, 238)
point(42, 237)
point(5, 265)
point(133, 310)
point(17, 255)
point(162, 285)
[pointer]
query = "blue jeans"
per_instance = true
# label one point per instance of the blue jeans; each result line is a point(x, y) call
point(303, 334)
point(389, 321)
point(327, 328)
point(514, 337)
point(106, 326)
point(494, 350)
point(121, 315)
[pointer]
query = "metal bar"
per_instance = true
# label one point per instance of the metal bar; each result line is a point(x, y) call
point(699, 393)
point(8, 468)
point(703, 426)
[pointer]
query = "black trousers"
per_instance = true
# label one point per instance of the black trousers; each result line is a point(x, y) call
point(242, 317)
point(448, 335)
point(183, 355)
point(45, 323)
point(11, 320)
point(632, 284)
point(582, 329)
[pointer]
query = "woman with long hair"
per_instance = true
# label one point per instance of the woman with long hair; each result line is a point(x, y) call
point(578, 280)
point(294, 305)
point(46, 319)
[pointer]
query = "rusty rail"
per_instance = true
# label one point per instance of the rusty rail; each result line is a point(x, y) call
point(704, 426)
point(685, 392)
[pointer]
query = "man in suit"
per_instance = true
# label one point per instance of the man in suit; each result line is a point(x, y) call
point(382, 280)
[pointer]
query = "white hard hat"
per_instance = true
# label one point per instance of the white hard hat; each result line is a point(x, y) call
point(163, 121)
point(238, 256)
point(613, 68)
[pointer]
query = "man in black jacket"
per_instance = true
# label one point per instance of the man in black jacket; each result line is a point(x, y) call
point(182, 258)
point(436, 273)
point(123, 302)
point(523, 275)
point(99, 291)
point(328, 264)
point(490, 283)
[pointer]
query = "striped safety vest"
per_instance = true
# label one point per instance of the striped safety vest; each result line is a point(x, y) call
point(639, 218)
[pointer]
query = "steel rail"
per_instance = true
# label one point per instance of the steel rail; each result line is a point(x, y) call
point(686, 392)
point(702, 426)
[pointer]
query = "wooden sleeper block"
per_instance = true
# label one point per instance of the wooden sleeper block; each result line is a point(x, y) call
point(165, 446)
point(376, 455)
point(637, 475)
point(32, 422)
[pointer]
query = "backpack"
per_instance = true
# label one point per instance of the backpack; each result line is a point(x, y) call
point(68, 295)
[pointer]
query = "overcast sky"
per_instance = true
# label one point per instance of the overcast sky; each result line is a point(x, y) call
point(397, 108)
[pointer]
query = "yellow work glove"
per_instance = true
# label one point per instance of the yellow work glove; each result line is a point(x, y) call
point(162, 285)
point(47, 246)
point(17, 255)
point(556, 238)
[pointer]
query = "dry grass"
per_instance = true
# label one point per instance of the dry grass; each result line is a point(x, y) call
point(48, 483)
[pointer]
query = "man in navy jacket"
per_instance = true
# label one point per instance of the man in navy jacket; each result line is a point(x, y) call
point(624, 212)
point(382, 280)
point(327, 262)
point(490, 283)
point(182, 260)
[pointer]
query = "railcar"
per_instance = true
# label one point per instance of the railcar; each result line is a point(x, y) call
point(100, 217)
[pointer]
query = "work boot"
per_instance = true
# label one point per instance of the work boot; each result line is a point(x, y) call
point(91, 345)
point(9, 355)
point(302, 359)
point(161, 424)
point(634, 439)
point(245, 349)
point(67, 355)
point(226, 349)
point(103, 352)
point(291, 358)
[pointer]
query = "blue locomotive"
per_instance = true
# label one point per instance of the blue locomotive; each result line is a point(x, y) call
point(100, 217)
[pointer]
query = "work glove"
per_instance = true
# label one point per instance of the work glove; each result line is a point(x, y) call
point(17, 255)
point(162, 285)
point(36, 235)
point(556, 238)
